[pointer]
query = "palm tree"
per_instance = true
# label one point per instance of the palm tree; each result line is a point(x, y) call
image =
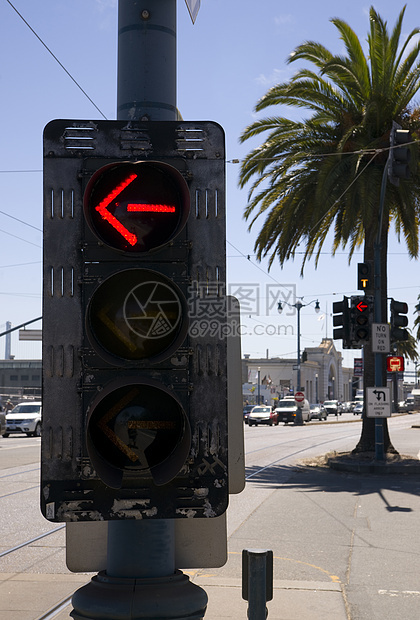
point(417, 319)
point(324, 173)
point(407, 348)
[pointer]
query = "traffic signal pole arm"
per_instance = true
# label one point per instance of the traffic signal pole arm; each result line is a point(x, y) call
point(13, 329)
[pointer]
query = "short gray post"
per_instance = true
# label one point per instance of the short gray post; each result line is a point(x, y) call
point(257, 581)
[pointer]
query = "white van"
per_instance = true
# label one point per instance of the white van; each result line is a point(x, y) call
point(287, 410)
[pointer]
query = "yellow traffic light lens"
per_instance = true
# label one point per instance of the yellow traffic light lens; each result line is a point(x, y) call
point(136, 207)
point(137, 314)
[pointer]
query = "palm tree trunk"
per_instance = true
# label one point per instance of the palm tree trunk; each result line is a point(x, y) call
point(367, 439)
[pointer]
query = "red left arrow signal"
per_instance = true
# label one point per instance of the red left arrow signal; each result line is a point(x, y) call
point(145, 208)
point(361, 306)
point(102, 208)
point(132, 207)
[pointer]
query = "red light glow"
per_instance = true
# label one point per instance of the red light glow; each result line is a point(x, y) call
point(145, 208)
point(102, 208)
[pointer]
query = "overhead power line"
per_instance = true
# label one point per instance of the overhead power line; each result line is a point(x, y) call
point(20, 238)
point(56, 59)
point(20, 221)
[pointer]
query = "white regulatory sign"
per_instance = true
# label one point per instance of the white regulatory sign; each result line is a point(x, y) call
point(378, 402)
point(193, 8)
point(380, 338)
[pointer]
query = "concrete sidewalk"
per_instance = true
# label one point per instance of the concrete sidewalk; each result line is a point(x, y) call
point(29, 596)
point(292, 600)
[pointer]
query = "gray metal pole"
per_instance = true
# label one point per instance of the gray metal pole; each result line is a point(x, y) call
point(298, 306)
point(141, 581)
point(146, 90)
point(379, 422)
point(259, 388)
point(147, 60)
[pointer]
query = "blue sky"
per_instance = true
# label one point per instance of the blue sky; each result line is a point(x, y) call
point(236, 50)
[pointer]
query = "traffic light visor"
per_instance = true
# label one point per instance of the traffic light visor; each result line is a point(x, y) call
point(136, 207)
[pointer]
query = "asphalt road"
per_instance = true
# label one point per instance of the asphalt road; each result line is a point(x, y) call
point(345, 545)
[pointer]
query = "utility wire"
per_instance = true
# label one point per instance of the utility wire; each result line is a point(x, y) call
point(38, 262)
point(248, 257)
point(371, 151)
point(20, 221)
point(56, 59)
point(20, 238)
point(17, 171)
point(345, 191)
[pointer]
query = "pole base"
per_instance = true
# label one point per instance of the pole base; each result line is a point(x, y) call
point(161, 598)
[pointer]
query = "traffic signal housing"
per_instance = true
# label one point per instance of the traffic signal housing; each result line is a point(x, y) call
point(398, 320)
point(361, 315)
point(341, 322)
point(364, 276)
point(134, 370)
point(400, 154)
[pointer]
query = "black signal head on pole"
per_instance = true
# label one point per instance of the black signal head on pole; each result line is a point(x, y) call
point(134, 374)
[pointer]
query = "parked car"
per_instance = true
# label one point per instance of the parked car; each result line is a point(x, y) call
point(409, 403)
point(262, 415)
point(332, 407)
point(287, 410)
point(318, 412)
point(358, 408)
point(2, 422)
point(247, 411)
point(25, 418)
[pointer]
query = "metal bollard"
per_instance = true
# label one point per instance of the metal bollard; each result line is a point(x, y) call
point(257, 581)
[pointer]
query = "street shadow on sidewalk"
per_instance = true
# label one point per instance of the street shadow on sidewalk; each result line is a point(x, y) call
point(323, 479)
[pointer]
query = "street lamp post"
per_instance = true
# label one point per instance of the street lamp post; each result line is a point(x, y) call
point(259, 389)
point(298, 305)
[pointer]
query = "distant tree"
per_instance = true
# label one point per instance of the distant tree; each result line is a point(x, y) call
point(324, 173)
point(407, 348)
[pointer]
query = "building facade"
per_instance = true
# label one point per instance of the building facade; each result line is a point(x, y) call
point(19, 377)
point(322, 376)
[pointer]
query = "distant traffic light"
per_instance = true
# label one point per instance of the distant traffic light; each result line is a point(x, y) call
point(364, 276)
point(398, 320)
point(341, 322)
point(400, 154)
point(135, 319)
point(361, 314)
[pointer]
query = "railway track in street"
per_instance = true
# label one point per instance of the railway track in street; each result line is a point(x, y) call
point(276, 449)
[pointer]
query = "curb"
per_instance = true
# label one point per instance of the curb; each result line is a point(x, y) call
point(410, 466)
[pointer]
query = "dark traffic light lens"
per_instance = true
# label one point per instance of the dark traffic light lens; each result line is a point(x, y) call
point(136, 207)
point(137, 314)
point(137, 427)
